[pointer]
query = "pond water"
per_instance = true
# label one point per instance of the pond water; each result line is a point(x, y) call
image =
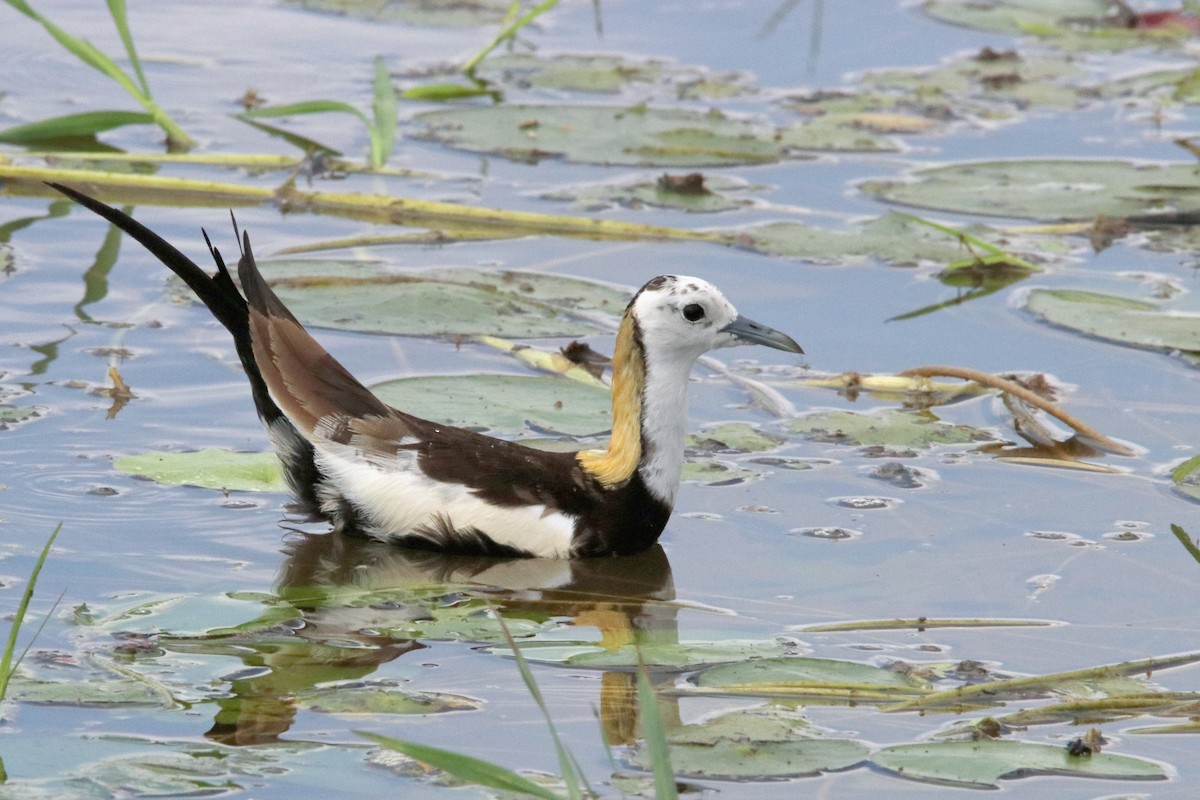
point(205, 644)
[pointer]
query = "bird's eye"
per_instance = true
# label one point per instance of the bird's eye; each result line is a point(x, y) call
point(693, 312)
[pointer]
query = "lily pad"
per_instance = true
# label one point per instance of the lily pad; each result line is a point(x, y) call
point(638, 135)
point(732, 437)
point(711, 472)
point(91, 692)
point(712, 193)
point(212, 468)
point(894, 238)
point(601, 73)
point(430, 13)
point(381, 698)
point(1116, 319)
point(607, 73)
point(763, 743)
point(772, 675)
point(1047, 189)
point(890, 427)
point(673, 655)
point(503, 403)
point(13, 415)
point(984, 763)
point(358, 296)
point(1068, 24)
point(836, 133)
point(975, 85)
point(1015, 16)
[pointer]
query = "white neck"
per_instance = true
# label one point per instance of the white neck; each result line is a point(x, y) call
point(664, 424)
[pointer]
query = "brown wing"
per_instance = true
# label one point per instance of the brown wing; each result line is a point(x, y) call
point(325, 401)
point(305, 381)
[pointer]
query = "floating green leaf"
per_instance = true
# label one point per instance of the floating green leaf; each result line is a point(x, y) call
point(211, 468)
point(895, 238)
point(352, 295)
point(92, 692)
point(502, 403)
point(678, 655)
point(994, 87)
point(1016, 16)
point(890, 427)
point(762, 743)
point(381, 698)
point(711, 193)
point(11, 415)
point(1046, 189)
point(1116, 319)
point(711, 472)
point(642, 136)
point(837, 133)
point(986, 762)
point(604, 73)
point(732, 437)
point(427, 13)
point(769, 676)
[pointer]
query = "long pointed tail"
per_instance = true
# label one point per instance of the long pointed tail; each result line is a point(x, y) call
point(220, 294)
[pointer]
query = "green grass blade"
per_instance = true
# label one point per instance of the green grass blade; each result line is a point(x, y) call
point(309, 107)
point(509, 31)
point(82, 49)
point(467, 768)
point(972, 241)
point(656, 738)
point(386, 107)
point(6, 659)
point(88, 123)
point(296, 140)
point(89, 54)
point(304, 107)
point(121, 20)
point(1186, 541)
point(571, 771)
point(441, 92)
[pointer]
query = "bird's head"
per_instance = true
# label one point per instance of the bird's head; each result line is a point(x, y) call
point(686, 317)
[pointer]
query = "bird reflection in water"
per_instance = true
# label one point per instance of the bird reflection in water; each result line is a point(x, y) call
point(338, 596)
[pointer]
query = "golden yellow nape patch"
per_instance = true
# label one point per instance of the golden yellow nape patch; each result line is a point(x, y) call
point(615, 465)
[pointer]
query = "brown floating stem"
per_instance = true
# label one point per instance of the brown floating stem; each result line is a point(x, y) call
point(1022, 393)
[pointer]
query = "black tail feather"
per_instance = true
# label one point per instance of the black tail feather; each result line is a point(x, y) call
point(223, 298)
